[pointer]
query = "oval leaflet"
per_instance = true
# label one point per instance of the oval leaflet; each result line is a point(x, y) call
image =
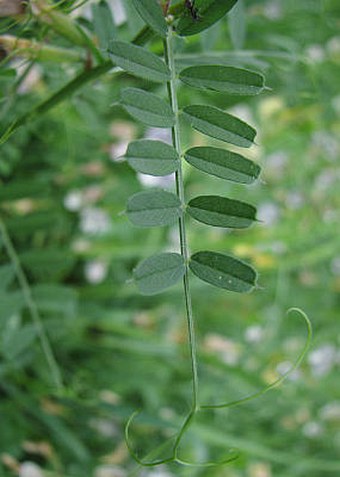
point(153, 208)
point(222, 163)
point(152, 157)
point(138, 61)
point(147, 108)
point(221, 212)
point(159, 272)
point(225, 79)
point(223, 271)
point(152, 14)
point(216, 123)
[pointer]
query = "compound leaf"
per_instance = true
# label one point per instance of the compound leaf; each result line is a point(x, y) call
point(147, 108)
point(223, 271)
point(225, 79)
point(216, 123)
point(202, 15)
point(152, 14)
point(224, 164)
point(138, 61)
point(152, 157)
point(159, 272)
point(152, 208)
point(222, 212)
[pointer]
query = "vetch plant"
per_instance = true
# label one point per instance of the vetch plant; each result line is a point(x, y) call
point(162, 208)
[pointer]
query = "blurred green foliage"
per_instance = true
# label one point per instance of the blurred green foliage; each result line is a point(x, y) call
point(62, 190)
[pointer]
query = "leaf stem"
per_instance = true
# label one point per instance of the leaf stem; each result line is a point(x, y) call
point(32, 307)
point(170, 60)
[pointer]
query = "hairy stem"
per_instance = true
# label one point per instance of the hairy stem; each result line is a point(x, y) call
point(32, 307)
point(169, 56)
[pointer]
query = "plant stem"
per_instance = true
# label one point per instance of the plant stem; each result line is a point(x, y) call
point(169, 56)
point(32, 307)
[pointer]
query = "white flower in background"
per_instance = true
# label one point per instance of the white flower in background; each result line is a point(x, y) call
point(312, 429)
point(315, 53)
point(30, 469)
point(73, 200)
point(229, 350)
point(335, 266)
point(330, 412)
point(243, 112)
point(336, 103)
point(109, 471)
point(118, 150)
point(95, 271)
point(104, 427)
point(118, 8)
point(325, 180)
point(268, 212)
point(273, 10)
point(174, 240)
point(283, 368)
point(159, 134)
point(322, 360)
point(276, 164)
point(31, 79)
point(254, 334)
point(328, 143)
point(333, 46)
point(259, 469)
point(156, 181)
point(278, 247)
point(158, 472)
point(330, 215)
point(94, 221)
point(294, 200)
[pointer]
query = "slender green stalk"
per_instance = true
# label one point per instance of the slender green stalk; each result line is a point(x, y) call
point(169, 56)
point(32, 307)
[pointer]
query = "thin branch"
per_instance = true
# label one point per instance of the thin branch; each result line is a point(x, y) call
point(32, 307)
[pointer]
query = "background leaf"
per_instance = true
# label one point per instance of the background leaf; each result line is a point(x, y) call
point(159, 272)
point(103, 23)
point(221, 212)
point(216, 123)
point(152, 157)
point(152, 14)
point(149, 209)
point(237, 25)
point(223, 271)
point(224, 164)
point(147, 108)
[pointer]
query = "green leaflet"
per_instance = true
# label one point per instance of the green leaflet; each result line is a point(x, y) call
point(223, 271)
point(149, 209)
point(208, 13)
point(16, 340)
point(159, 272)
point(221, 163)
point(152, 14)
point(138, 61)
point(7, 274)
point(216, 123)
point(103, 23)
point(222, 212)
point(152, 157)
point(225, 79)
point(147, 108)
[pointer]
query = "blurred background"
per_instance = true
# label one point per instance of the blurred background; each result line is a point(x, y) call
point(63, 188)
